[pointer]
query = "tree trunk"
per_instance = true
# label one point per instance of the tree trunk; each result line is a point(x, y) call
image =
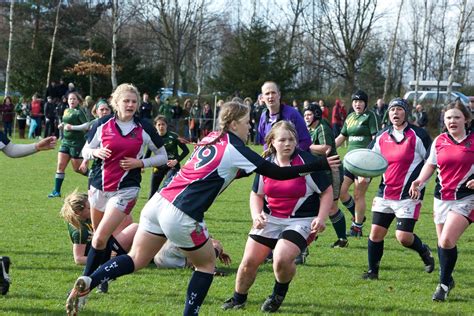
point(463, 18)
point(390, 55)
point(10, 44)
point(53, 41)
point(113, 71)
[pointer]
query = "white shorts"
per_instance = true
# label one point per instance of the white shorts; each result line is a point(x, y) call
point(276, 226)
point(124, 199)
point(160, 217)
point(407, 208)
point(441, 208)
point(170, 256)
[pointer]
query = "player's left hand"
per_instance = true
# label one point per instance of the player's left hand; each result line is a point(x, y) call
point(317, 226)
point(46, 143)
point(129, 163)
point(225, 258)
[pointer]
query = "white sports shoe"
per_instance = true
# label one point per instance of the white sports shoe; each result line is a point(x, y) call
point(77, 298)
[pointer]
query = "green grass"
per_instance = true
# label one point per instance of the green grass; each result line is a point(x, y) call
point(35, 237)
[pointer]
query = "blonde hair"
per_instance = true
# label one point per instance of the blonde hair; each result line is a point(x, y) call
point(120, 90)
point(285, 125)
point(72, 208)
point(230, 111)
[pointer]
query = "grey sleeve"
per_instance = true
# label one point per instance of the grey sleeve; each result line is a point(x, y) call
point(19, 150)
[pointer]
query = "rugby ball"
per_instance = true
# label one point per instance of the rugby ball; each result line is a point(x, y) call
point(365, 163)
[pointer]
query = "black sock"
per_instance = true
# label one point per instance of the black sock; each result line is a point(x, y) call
point(417, 245)
point(447, 261)
point(339, 223)
point(112, 269)
point(197, 290)
point(280, 288)
point(94, 259)
point(350, 205)
point(240, 298)
point(375, 253)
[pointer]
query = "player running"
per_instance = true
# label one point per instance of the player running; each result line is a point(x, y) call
point(359, 129)
point(452, 156)
point(404, 146)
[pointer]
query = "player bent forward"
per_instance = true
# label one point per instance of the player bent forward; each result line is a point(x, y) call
point(285, 214)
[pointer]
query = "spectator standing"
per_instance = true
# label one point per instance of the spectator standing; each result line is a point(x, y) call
point(36, 114)
point(421, 117)
point(7, 115)
point(206, 120)
point(146, 108)
point(60, 108)
point(61, 89)
point(22, 112)
point(177, 114)
point(194, 114)
point(325, 110)
point(276, 111)
point(337, 118)
point(50, 117)
point(248, 102)
point(380, 109)
point(258, 109)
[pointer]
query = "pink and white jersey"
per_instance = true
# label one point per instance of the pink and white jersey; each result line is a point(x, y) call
point(297, 197)
point(405, 160)
point(455, 163)
point(209, 170)
point(107, 175)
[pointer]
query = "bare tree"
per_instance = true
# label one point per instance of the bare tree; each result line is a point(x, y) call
point(464, 18)
point(390, 54)
point(349, 25)
point(175, 27)
point(10, 43)
point(53, 42)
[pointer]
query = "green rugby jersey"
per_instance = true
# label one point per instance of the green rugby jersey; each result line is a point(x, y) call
point(74, 116)
point(359, 129)
point(83, 235)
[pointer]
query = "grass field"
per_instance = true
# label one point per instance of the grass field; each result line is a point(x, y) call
point(35, 237)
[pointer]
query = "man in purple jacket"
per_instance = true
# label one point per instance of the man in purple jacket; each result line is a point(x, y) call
point(276, 112)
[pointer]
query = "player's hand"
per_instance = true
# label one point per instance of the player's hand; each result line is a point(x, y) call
point(46, 143)
point(84, 166)
point(129, 163)
point(171, 163)
point(102, 153)
point(334, 161)
point(260, 221)
point(415, 189)
point(225, 258)
point(317, 226)
point(470, 184)
point(68, 127)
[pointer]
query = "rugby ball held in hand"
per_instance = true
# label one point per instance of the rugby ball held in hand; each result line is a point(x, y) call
point(365, 163)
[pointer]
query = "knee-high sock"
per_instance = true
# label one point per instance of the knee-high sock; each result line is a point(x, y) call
point(339, 223)
point(95, 258)
point(112, 269)
point(350, 205)
point(58, 181)
point(417, 245)
point(447, 261)
point(280, 288)
point(197, 290)
point(375, 253)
